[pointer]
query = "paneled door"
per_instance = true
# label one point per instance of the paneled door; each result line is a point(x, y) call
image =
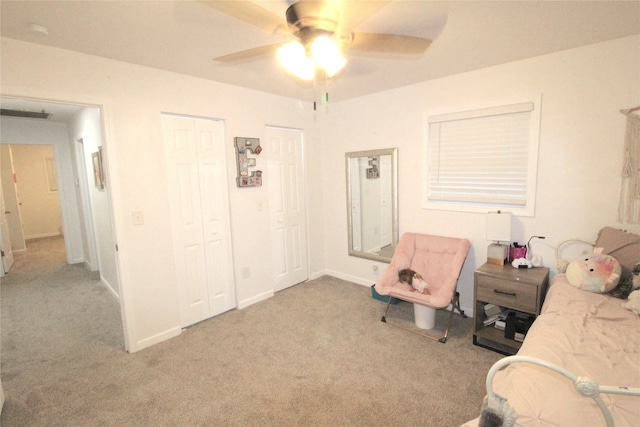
point(199, 205)
point(287, 206)
point(5, 237)
point(11, 203)
point(9, 211)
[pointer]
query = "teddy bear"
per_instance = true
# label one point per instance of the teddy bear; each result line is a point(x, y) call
point(627, 284)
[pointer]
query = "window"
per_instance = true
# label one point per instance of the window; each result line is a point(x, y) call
point(484, 159)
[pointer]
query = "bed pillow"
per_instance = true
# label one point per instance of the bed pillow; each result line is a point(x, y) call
point(633, 303)
point(594, 273)
point(624, 246)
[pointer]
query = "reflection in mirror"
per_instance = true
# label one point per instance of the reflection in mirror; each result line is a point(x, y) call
point(372, 203)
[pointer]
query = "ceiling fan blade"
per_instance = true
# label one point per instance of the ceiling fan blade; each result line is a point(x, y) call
point(388, 43)
point(249, 53)
point(248, 12)
point(354, 13)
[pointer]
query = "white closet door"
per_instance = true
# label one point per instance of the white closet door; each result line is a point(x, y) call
point(287, 206)
point(196, 172)
point(215, 215)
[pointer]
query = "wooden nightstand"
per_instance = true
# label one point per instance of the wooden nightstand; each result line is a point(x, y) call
point(519, 289)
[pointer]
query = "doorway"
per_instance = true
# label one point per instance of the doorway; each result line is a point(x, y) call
point(65, 124)
point(30, 192)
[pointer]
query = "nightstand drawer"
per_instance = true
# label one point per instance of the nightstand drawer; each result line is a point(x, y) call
point(506, 293)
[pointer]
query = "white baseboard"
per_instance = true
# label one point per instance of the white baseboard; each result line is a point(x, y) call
point(112, 291)
point(41, 235)
point(79, 260)
point(317, 274)
point(347, 277)
point(155, 339)
point(255, 299)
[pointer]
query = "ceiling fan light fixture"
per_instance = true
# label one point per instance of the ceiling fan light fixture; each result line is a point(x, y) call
point(317, 27)
point(322, 53)
point(327, 55)
point(293, 58)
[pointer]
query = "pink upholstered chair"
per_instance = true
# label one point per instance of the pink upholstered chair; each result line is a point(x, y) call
point(439, 261)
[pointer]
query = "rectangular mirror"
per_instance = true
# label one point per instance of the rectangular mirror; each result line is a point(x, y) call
point(372, 203)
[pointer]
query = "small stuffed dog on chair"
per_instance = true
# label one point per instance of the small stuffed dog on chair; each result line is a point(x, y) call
point(414, 279)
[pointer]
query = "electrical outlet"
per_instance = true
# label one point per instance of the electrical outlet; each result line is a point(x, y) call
point(246, 272)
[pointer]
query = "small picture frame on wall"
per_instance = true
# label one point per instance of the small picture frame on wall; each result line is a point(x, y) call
point(98, 173)
point(102, 170)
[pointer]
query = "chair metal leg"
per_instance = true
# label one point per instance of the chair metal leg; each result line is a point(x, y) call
point(455, 305)
point(384, 315)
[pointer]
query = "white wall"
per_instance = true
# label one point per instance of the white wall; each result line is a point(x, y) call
point(86, 125)
point(132, 99)
point(580, 153)
point(580, 157)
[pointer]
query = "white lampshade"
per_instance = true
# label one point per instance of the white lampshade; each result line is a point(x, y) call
point(327, 55)
point(293, 57)
point(499, 226)
point(324, 53)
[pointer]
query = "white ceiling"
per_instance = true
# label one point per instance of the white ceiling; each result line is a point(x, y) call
point(184, 37)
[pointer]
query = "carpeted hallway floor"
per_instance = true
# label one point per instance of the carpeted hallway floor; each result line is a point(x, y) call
point(314, 355)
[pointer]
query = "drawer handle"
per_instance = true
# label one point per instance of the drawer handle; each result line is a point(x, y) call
point(511, 294)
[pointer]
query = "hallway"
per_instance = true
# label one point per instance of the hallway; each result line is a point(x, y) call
point(52, 315)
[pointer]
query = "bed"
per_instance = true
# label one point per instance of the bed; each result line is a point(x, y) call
point(581, 341)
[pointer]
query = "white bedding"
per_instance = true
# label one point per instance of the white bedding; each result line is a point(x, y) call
point(588, 334)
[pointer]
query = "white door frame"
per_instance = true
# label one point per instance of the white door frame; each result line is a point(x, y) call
point(86, 220)
point(5, 238)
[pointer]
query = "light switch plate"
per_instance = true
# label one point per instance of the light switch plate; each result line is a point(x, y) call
point(137, 217)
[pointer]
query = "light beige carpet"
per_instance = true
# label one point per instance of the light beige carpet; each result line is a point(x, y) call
point(316, 354)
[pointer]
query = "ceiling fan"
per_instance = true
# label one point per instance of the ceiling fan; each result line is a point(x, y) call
point(321, 29)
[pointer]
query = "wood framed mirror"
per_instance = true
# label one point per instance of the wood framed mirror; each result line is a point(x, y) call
point(372, 203)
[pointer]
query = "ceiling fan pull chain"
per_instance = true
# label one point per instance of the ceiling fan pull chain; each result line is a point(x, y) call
point(326, 89)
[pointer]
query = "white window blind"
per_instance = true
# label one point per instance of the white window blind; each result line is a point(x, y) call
point(482, 157)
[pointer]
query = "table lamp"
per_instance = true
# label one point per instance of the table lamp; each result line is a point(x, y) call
point(498, 230)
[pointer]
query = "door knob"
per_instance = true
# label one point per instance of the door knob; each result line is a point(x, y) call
point(7, 212)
